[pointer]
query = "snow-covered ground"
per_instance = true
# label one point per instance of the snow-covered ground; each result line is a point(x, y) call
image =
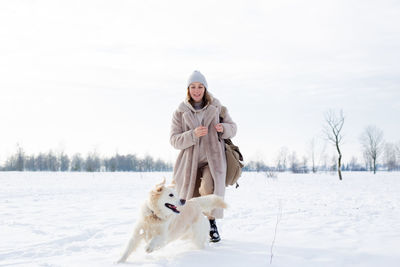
point(86, 219)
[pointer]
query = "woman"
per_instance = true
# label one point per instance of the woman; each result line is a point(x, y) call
point(196, 130)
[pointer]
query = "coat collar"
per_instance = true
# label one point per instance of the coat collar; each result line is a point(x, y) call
point(188, 112)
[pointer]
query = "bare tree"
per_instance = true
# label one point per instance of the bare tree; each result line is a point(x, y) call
point(304, 167)
point(397, 148)
point(294, 164)
point(77, 163)
point(390, 159)
point(20, 159)
point(367, 161)
point(30, 163)
point(312, 148)
point(52, 162)
point(373, 144)
point(354, 165)
point(332, 129)
point(92, 162)
point(281, 159)
point(333, 166)
point(64, 162)
point(323, 158)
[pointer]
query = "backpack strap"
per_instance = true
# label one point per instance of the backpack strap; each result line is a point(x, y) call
point(221, 119)
point(222, 114)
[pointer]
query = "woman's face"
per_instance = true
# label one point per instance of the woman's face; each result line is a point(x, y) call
point(196, 91)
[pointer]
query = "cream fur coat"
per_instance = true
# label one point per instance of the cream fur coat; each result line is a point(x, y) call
point(183, 138)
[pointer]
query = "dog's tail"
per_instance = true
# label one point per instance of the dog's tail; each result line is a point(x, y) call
point(209, 202)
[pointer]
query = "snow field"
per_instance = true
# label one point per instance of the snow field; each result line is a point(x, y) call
point(86, 219)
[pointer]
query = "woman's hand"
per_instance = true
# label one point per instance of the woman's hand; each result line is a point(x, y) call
point(201, 131)
point(219, 128)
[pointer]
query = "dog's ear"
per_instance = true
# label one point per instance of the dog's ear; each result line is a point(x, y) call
point(172, 185)
point(159, 188)
point(157, 191)
point(162, 183)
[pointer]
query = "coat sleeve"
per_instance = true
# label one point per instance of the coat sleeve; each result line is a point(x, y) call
point(229, 126)
point(179, 138)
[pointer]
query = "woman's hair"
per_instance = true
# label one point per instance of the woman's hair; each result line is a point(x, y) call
point(204, 102)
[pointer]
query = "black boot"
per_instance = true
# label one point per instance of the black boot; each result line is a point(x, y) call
point(214, 235)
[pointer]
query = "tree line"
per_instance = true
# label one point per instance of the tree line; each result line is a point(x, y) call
point(285, 161)
point(296, 165)
point(51, 161)
point(377, 154)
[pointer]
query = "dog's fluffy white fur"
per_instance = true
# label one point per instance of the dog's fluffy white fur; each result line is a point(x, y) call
point(165, 217)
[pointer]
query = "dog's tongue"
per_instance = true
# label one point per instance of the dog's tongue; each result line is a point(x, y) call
point(172, 207)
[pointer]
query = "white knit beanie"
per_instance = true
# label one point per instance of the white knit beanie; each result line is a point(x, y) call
point(197, 77)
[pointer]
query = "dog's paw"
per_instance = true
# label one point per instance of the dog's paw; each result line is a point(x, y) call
point(149, 249)
point(121, 260)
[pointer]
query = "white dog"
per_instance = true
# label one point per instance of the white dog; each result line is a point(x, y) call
point(165, 217)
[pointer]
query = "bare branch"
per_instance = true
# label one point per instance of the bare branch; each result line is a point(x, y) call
point(373, 144)
point(333, 128)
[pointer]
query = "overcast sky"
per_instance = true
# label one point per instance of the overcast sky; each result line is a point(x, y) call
point(106, 76)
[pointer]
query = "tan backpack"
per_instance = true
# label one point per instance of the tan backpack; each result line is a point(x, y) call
point(234, 158)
